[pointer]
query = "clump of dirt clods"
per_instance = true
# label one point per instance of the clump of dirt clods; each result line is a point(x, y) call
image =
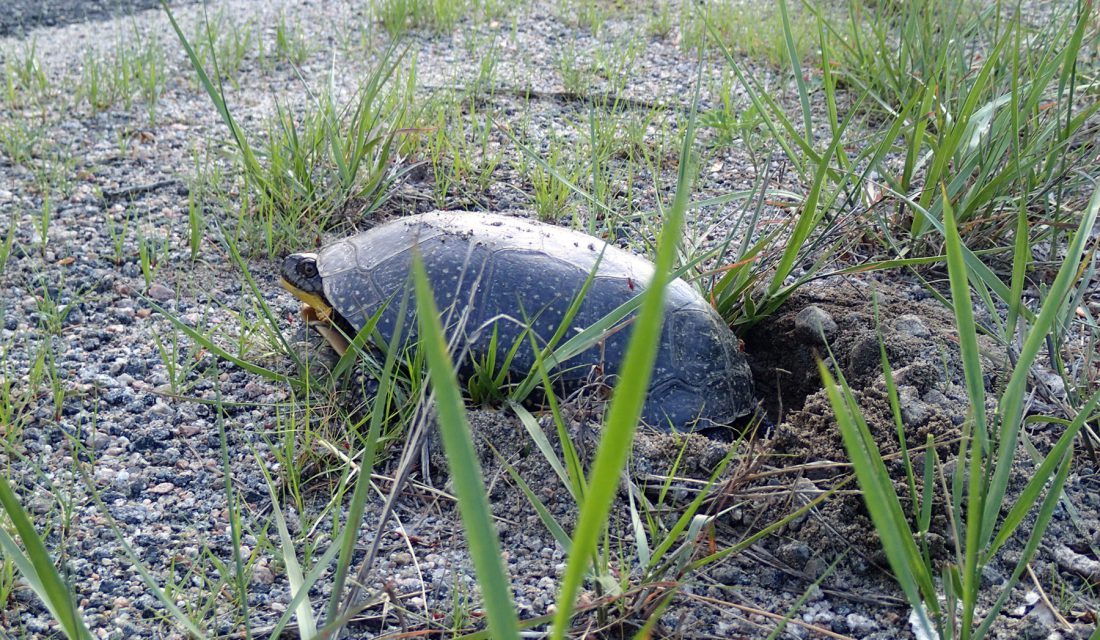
point(839, 324)
point(849, 325)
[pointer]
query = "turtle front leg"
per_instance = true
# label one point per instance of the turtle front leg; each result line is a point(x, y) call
point(324, 327)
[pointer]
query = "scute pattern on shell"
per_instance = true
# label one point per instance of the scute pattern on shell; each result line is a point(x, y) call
point(488, 269)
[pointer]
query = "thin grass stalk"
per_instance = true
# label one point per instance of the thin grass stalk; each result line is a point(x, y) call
point(233, 511)
point(217, 350)
point(978, 269)
point(828, 83)
point(924, 518)
point(573, 478)
point(257, 295)
point(796, 69)
point(882, 503)
point(217, 95)
point(958, 125)
point(687, 517)
point(544, 514)
point(1046, 469)
point(307, 623)
point(718, 556)
point(895, 410)
point(575, 482)
point(810, 216)
point(302, 595)
point(1056, 465)
point(641, 538)
point(1042, 520)
point(775, 118)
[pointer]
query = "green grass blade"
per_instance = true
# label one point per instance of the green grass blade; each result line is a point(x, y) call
point(319, 567)
point(350, 535)
point(543, 513)
point(473, 503)
point(796, 68)
point(38, 568)
point(810, 217)
point(24, 566)
point(975, 388)
point(882, 503)
point(895, 410)
point(257, 294)
point(307, 623)
point(1029, 497)
point(576, 482)
point(978, 269)
point(627, 400)
point(210, 346)
point(689, 513)
point(217, 96)
point(1010, 407)
point(545, 448)
point(233, 509)
point(641, 539)
point(1042, 520)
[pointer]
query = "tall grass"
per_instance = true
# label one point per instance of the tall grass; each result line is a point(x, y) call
point(987, 129)
point(979, 490)
point(311, 166)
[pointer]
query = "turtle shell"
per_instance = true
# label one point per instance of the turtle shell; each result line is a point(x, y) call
point(492, 272)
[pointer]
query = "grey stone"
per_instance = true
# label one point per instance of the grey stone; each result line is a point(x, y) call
point(914, 412)
point(814, 325)
point(911, 325)
point(161, 293)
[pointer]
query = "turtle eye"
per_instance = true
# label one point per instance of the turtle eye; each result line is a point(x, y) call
point(307, 269)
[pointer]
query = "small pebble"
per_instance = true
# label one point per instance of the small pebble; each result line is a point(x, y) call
point(814, 325)
point(914, 412)
point(161, 293)
point(911, 325)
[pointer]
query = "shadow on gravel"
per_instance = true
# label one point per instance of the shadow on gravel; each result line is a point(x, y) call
point(20, 17)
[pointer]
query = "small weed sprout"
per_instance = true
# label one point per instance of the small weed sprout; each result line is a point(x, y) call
point(311, 167)
point(152, 254)
point(45, 214)
point(488, 382)
point(149, 73)
point(575, 78)
point(25, 78)
point(19, 140)
point(400, 16)
point(291, 45)
point(118, 227)
point(196, 224)
point(552, 195)
point(7, 243)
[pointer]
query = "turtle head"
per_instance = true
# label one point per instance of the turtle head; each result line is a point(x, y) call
point(302, 278)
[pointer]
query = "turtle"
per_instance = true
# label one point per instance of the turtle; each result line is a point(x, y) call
point(501, 275)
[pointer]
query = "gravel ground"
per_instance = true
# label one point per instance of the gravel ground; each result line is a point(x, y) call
point(145, 436)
